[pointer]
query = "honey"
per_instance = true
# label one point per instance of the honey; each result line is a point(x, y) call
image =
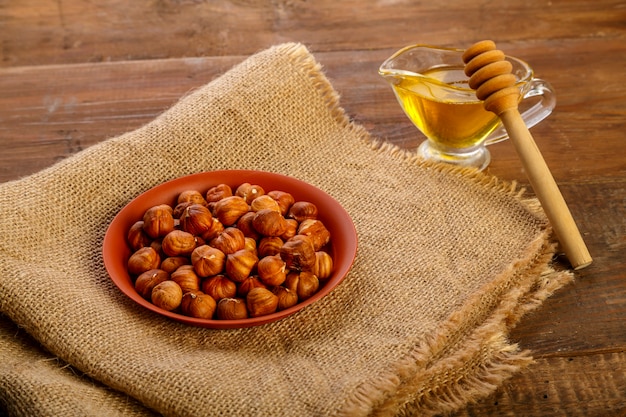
point(441, 104)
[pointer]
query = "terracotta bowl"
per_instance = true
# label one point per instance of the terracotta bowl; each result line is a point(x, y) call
point(342, 247)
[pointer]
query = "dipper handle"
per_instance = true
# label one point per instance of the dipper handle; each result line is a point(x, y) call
point(490, 75)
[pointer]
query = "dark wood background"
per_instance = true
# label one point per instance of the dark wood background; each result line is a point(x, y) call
point(76, 72)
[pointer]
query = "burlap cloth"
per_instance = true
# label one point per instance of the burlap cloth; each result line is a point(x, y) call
point(447, 262)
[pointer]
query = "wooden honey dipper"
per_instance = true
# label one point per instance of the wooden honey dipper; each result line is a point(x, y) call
point(490, 75)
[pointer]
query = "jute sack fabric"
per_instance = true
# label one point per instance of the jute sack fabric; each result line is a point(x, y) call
point(448, 261)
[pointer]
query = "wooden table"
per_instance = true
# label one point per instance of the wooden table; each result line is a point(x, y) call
point(76, 72)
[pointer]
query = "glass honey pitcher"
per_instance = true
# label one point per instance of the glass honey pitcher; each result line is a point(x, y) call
point(430, 84)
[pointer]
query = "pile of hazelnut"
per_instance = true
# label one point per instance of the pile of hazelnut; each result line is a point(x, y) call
point(229, 254)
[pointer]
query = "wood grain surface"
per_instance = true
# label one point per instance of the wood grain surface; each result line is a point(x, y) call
point(76, 72)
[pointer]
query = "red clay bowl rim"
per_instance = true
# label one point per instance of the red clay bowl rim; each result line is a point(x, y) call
point(343, 235)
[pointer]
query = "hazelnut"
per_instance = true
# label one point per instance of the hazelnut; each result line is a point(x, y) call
point(172, 263)
point(218, 192)
point(232, 309)
point(179, 209)
point(249, 192)
point(200, 241)
point(167, 295)
point(137, 237)
point(239, 265)
point(198, 305)
point(148, 280)
point(250, 244)
point(291, 230)
point(304, 284)
point(207, 260)
point(229, 209)
point(298, 253)
point(261, 301)
point(245, 225)
point(316, 231)
point(186, 267)
point(272, 270)
point(186, 278)
point(196, 219)
point(323, 268)
point(191, 196)
point(158, 221)
point(178, 242)
point(269, 223)
point(216, 228)
point(229, 241)
point(264, 202)
point(284, 199)
point(143, 260)
point(269, 245)
point(301, 210)
point(247, 284)
point(157, 246)
point(286, 297)
point(219, 286)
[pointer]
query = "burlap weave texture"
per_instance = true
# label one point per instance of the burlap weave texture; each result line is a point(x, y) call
point(447, 262)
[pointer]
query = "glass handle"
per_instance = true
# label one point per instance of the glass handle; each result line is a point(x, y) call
point(532, 110)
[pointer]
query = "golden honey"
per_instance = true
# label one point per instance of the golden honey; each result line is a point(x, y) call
point(440, 103)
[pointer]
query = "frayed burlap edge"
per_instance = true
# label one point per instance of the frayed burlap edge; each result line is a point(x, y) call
point(441, 376)
point(486, 358)
point(479, 366)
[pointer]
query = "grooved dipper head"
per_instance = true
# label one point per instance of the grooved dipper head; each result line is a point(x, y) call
point(490, 75)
